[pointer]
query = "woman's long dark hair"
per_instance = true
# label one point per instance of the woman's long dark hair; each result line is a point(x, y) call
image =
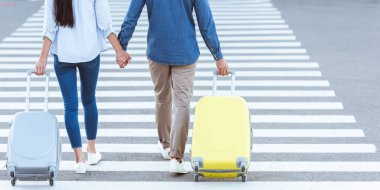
point(64, 15)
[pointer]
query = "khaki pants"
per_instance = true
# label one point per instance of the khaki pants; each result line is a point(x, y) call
point(173, 86)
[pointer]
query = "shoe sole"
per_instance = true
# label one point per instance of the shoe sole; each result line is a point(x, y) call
point(93, 163)
point(178, 172)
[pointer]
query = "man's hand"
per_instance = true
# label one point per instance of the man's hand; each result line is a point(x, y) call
point(222, 67)
point(40, 66)
point(122, 59)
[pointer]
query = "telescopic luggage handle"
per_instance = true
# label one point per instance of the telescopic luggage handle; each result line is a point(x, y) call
point(215, 78)
point(47, 79)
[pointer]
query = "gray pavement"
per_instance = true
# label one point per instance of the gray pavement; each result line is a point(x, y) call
point(344, 37)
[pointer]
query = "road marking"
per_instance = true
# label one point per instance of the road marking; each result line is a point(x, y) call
point(226, 46)
point(244, 40)
point(251, 83)
point(148, 185)
point(221, 18)
point(261, 133)
point(254, 118)
point(150, 93)
point(151, 105)
point(256, 148)
point(142, 52)
point(163, 166)
point(126, 74)
point(200, 65)
point(230, 58)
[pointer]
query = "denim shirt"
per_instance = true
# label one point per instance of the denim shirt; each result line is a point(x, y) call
point(171, 34)
point(83, 42)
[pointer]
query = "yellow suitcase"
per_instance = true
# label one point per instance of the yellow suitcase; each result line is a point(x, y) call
point(222, 137)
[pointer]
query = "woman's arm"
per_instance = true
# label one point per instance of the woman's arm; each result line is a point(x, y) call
point(42, 61)
point(104, 23)
point(50, 29)
point(122, 57)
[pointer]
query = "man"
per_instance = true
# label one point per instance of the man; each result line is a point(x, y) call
point(172, 53)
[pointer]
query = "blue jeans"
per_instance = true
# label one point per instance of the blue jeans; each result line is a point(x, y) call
point(67, 79)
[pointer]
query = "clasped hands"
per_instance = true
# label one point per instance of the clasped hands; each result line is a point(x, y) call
point(123, 59)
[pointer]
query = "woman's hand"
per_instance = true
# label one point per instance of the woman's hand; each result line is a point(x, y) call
point(122, 58)
point(40, 66)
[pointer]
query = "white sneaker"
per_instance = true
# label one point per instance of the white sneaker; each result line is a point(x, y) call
point(176, 167)
point(93, 158)
point(164, 152)
point(80, 168)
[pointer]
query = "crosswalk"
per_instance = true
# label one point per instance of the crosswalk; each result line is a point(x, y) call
point(303, 136)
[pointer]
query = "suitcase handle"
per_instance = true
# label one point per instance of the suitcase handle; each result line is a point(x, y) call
point(215, 78)
point(28, 79)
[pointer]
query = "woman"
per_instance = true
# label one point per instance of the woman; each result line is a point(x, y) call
point(75, 33)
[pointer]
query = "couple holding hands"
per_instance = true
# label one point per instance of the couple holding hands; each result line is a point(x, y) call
point(75, 33)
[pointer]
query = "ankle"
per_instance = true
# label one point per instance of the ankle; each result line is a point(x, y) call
point(178, 159)
point(81, 159)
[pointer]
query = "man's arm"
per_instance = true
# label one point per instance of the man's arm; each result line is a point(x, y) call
point(207, 28)
point(130, 22)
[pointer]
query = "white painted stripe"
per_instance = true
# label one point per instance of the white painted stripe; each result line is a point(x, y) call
point(217, 18)
point(256, 148)
point(235, 33)
point(251, 83)
point(310, 133)
point(215, 14)
point(267, 133)
point(219, 8)
point(226, 45)
point(223, 39)
point(222, 28)
point(140, 52)
point(212, 5)
point(231, 58)
point(303, 119)
point(221, 24)
point(254, 118)
point(160, 166)
point(128, 74)
point(151, 105)
point(229, 13)
point(147, 185)
point(216, 9)
point(150, 93)
point(106, 65)
point(220, 21)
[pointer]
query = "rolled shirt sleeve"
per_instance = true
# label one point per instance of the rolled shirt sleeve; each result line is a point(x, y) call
point(103, 17)
point(207, 28)
point(50, 27)
point(130, 22)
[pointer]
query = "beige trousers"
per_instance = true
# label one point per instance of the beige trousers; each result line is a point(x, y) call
point(173, 86)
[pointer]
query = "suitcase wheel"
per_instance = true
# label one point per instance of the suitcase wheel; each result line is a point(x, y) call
point(196, 168)
point(51, 181)
point(13, 181)
point(196, 177)
point(51, 174)
point(243, 169)
point(244, 177)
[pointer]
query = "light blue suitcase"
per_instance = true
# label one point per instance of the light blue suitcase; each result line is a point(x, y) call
point(34, 143)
